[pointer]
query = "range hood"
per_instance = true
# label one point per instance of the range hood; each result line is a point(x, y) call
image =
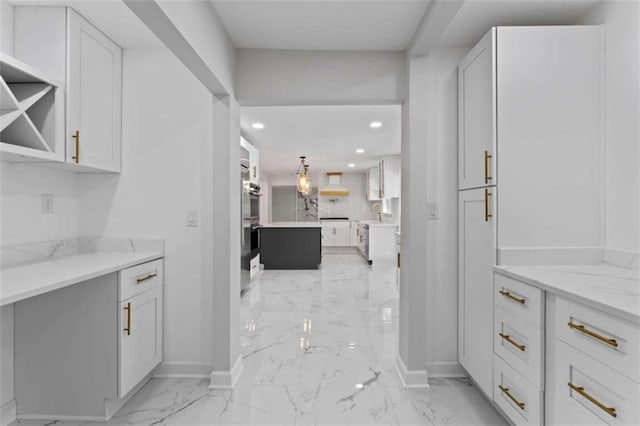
point(334, 187)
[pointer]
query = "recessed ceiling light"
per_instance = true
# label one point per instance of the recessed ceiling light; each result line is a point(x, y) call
point(351, 165)
point(359, 150)
point(375, 124)
point(257, 126)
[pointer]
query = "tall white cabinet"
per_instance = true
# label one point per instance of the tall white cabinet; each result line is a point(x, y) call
point(529, 112)
point(63, 44)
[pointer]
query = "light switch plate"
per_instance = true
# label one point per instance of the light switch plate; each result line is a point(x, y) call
point(192, 218)
point(46, 201)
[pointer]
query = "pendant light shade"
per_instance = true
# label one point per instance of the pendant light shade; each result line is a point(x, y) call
point(303, 178)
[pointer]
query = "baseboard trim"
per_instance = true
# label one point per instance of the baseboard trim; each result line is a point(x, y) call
point(8, 413)
point(411, 378)
point(445, 369)
point(183, 369)
point(223, 379)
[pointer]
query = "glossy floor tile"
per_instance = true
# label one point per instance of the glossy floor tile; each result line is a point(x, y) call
point(318, 349)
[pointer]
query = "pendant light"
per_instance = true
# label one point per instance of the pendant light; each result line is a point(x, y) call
point(303, 179)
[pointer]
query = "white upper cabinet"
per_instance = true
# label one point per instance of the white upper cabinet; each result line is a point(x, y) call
point(390, 176)
point(60, 42)
point(476, 116)
point(254, 160)
point(374, 192)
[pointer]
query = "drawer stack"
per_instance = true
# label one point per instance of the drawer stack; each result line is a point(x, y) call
point(518, 360)
point(597, 367)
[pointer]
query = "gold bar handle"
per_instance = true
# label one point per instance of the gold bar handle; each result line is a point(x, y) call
point(609, 410)
point(487, 215)
point(508, 295)
point(582, 329)
point(508, 339)
point(255, 173)
point(487, 156)
point(76, 136)
point(127, 329)
point(398, 262)
point(146, 277)
point(511, 397)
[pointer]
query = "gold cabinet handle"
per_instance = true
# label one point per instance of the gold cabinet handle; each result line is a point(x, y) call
point(127, 329)
point(511, 397)
point(398, 262)
point(609, 410)
point(487, 156)
point(581, 328)
point(76, 136)
point(255, 174)
point(508, 339)
point(487, 215)
point(512, 297)
point(146, 277)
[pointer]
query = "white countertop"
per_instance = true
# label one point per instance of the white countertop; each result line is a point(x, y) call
point(376, 223)
point(21, 282)
point(604, 287)
point(293, 225)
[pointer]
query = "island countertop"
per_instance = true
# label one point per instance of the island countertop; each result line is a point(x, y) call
point(601, 286)
point(32, 279)
point(293, 225)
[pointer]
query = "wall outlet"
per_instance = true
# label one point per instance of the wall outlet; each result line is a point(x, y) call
point(432, 211)
point(192, 218)
point(46, 202)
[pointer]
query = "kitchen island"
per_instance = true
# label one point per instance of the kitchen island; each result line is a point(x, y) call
point(291, 245)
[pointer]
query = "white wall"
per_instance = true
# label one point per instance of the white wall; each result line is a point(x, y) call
point(354, 205)
point(6, 28)
point(442, 234)
point(286, 77)
point(621, 21)
point(167, 125)
point(21, 217)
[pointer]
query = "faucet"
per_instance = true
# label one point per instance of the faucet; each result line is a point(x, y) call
point(373, 207)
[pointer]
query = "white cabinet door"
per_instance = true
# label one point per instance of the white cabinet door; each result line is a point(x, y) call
point(373, 184)
point(476, 257)
point(353, 235)
point(254, 162)
point(328, 238)
point(341, 235)
point(94, 76)
point(140, 338)
point(390, 176)
point(476, 116)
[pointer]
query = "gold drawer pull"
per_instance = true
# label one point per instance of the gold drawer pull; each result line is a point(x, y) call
point(582, 329)
point(511, 397)
point(487, 215)
point(512, 297)
point(127, 329)
point(76, 136)
point(609, 410)
point(487, 178)
point(146, 277)
point(508, 339)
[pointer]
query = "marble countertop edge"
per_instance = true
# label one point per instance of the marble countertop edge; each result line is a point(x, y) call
point(576, 283)
point(33, 279)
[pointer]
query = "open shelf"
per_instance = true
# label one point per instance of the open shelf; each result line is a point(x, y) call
point(31, 113)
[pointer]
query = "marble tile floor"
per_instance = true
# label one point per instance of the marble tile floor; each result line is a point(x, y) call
point(318, 348)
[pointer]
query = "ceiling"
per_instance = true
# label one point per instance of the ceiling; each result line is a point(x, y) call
point(327, 135)
point(475, 17)
point(112, 17)
point(321, 24)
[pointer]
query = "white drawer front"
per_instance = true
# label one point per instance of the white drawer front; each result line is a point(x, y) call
point(520, 344)
point(592, 393)
point(254, 266)
point(620, 347)
point(516, 396)
point(522, 300)
point(140, 278)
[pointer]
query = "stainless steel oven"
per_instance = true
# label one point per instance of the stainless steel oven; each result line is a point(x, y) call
point(254, 202)
point(255, 240)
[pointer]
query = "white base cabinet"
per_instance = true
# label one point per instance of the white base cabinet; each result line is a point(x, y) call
point(336, 233)
point(83, 350)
